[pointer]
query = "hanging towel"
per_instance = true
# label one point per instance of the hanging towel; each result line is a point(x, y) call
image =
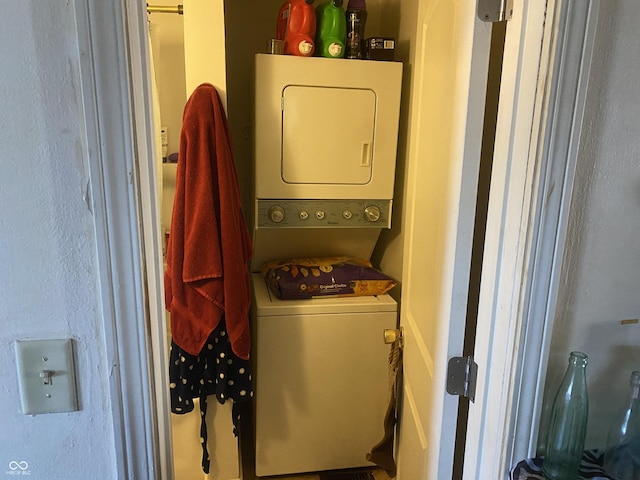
point(208, 250)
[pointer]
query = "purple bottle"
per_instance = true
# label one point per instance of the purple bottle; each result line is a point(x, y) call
point(356, 19)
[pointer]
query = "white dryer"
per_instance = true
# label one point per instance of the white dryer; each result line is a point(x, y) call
point(321, 369)
point(326, 133)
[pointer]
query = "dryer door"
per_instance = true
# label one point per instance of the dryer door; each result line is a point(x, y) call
point(327, 135)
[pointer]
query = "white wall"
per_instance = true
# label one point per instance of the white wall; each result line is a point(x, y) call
point(49, 283)
point(601, 274)
point(204, 26)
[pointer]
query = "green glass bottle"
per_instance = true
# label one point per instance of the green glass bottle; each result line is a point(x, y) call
point(568, 423)
point(622, 456)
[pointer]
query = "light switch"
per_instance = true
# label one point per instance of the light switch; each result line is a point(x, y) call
point(46, 375)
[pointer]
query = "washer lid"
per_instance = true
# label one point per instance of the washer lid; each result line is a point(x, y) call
point(267, 304)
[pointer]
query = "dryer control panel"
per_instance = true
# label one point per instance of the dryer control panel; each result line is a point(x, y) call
point(292, 213)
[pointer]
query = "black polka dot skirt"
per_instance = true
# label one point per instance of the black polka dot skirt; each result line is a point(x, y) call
point(215, 371)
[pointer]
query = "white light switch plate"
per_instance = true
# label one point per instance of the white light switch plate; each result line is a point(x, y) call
point(46, 375)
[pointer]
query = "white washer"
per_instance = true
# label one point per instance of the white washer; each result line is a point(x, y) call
point(321, 390)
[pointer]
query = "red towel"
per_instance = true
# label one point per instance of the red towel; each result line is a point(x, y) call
point(209, 248)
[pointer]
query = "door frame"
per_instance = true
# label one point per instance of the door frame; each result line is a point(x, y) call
point(508, 234)
point(520, 295)
point(529, 206)
point(559, 140)
point(115, 80)
point(509, 231)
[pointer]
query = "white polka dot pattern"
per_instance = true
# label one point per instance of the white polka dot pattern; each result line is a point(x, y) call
point(216, 371)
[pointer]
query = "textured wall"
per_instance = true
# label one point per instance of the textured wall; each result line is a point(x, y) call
point(601, 275)
point(49, 283)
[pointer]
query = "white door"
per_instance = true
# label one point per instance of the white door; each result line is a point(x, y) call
point(451, 61)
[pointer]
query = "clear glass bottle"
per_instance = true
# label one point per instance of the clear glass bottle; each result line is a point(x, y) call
point(622, 456)
point(568, 423)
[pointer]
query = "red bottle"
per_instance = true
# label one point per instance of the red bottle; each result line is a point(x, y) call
point(296, 26)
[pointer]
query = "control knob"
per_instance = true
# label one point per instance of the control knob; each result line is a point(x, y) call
point(372, 213)
point(276, 214)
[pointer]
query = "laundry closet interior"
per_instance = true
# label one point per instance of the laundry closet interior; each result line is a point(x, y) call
point(596, 313)
point(348, 205)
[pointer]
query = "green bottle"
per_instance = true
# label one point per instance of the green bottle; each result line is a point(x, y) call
point(568, 424)
point(331, 29)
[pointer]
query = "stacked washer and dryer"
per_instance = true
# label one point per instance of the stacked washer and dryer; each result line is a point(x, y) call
point(325, 151)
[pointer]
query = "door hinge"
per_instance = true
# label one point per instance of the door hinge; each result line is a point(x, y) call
point(462, 374)
point(495, 10)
